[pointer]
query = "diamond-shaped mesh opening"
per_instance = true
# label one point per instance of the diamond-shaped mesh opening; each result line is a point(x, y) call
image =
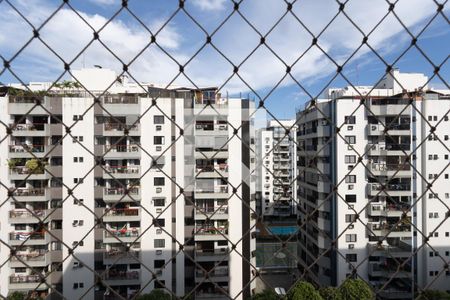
point(224, 149)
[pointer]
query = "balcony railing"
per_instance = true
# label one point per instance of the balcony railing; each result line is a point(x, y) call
point(21, 192)
point(120, 99)
point(35, 255)
point(122, 148)
point(121, 191)
point(22, 170)
point(391, 187)
point(26, 148)
point(120, 127)
point(123, 212)
point(23, 236)
point(216, 189)
point(211, 252)
point(26, 214)
point(123, 169)
point(211, 230)
point(115, 253)
point(121, 275)
point(29, 127)
point(134, 232)
point(390, 167)
point(24, 279)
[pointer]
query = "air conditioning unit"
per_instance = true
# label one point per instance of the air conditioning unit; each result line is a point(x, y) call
point(351, 226)
point(351, 246)
point(159, 210)
point(158, 231)
point(158, 252)
point(159, 190)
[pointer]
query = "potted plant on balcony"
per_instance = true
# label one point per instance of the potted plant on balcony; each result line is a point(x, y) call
point(35, 166)
point(12, 163)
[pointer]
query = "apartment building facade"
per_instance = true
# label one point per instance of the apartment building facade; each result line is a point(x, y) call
point(139, 191)
point(277, 168)
point(364, 175)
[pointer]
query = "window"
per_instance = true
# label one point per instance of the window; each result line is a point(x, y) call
point(159, 263)
point(158, 140)
point(350, 238)
point(350, 198)
point(158, 181)
point(75, 159)
point(351, 257)
point(160, 284)
point(350, 139)
point(350, 159)
point(430, 118)
point(350, 218)
point(78, 180)
point(159, 243)
point(350, 119)
point(158, 119)
point(159, 202)
point(160, 222)
point(350, 179)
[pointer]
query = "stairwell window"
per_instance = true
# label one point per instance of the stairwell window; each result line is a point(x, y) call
point(350, 139)
point(350, 238)
point(350, 179)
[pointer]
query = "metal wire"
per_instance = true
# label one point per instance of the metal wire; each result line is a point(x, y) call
point(305, 216)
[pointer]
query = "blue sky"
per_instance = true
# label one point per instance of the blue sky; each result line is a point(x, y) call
point(67, 34)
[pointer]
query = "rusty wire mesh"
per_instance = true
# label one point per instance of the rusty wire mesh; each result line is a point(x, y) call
point(307, 213)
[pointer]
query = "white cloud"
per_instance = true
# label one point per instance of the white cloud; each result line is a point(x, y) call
point(67, 34)
point(210, 5)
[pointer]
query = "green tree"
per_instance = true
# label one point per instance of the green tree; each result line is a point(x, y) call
point(16, 296)
point(304, 291)
point(35, 166)
point(156, 294)
point(268, 294)
point(433, 295)
point(328, 293)
point(354, 289)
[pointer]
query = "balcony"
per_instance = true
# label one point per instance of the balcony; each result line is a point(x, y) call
point(215, 130)
point(218, 171)
point(122, 214)
point(26, 282)
point(388, 149)
point(387, 270)
point(120, 256)
point(24, 151)
point(388, 210)
point(121, 172)
point(121, 236)
point(36, 129)
point(211, 254)
point(117, 104)
point(22, 172)
point(34, 258)
point(28, 238)
point(30, 194)
point(117, 129)
point(213, 213)
point(117, 277)
point(116, 194)
point(402, 250)
point(384, 229)
point(399, 108)
point(21, 216)
point(390, 189)
point(219, 191)
point(218, 274)
point(210, 233)
point(384, 169)
point(122, 151)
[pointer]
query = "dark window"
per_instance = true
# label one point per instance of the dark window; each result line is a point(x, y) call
point(158, 119)
point(351, 257)
point(159, 202)
point(158, 181)
point(160, 222)
point(158, 140)
point(159, 263)
point(350, 198)
point(350, 119)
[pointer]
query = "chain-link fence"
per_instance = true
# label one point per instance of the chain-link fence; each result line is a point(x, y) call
point(113, 188)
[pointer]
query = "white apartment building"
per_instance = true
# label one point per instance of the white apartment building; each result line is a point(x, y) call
point(381, 211)
point(277, 168)
point(134, 183)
